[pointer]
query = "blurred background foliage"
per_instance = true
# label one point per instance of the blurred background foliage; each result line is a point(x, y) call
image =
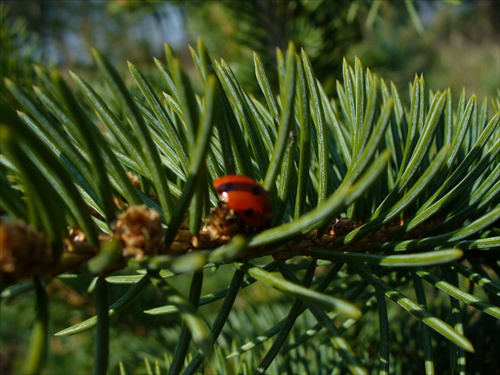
point(454, 43)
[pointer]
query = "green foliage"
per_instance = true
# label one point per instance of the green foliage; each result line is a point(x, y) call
point(317, 27)
point(419, 186)
point(324, 29)
point(19, 51)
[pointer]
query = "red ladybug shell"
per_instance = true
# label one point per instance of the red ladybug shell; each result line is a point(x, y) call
point(246, 197)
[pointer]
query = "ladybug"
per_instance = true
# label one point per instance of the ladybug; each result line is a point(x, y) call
point(250, 202)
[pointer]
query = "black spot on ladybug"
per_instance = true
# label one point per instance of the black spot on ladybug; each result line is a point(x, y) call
point(249, 212)
point(256, 190)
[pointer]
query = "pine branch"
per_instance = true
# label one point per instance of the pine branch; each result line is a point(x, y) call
point(366, 193)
